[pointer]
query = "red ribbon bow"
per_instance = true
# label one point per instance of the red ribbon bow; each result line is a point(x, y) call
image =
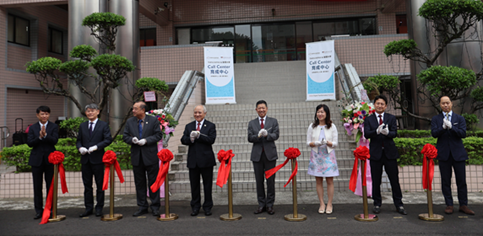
point(55, 158)
point(109, 159)
point(290, 153)
point(165, 156)
point(361, 153)
point(429, 152)
point(225, 166)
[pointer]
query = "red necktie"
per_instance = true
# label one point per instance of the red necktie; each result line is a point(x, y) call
point(198, 128)
point(261, 125)
point(380, 123)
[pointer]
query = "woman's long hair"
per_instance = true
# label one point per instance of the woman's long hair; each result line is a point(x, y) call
point(328, 122)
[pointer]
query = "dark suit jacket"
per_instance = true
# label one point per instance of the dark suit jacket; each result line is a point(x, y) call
point(101, 136)
point(263, 143)
point(41, 148)
point(152, 134)
point(200, 153)
point(370, 126)
point(449, 141)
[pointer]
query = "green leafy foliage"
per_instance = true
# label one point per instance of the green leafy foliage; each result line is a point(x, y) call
point(477, 94)
point(447, 80)
point(106, 64)
point(44, 65)
point(427, 133)
point(437, 10)
point(382, 83)
point(72, 125)
point(103, 18)
point(19, 155)
point(400, 47)
point(471, 121)
point(151, 84)
point(74, 67)
point(84, 52)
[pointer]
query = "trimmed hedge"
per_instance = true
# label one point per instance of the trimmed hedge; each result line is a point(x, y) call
point(19, 155)
point(427, 133)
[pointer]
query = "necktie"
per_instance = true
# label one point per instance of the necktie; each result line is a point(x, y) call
point(447, 115)
point(140, 127)
point(380, 123)
point(198, 127)
point(261, 124)
point(91, 124)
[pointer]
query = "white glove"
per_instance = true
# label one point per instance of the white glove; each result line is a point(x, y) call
point(323, 142)
point(92, 149)
point(142, 142)
point(264, 133)
point(135, 140)
point(385, 131)
point(379, 128)
point(317, 143)
point(260, 133)
point(447, 123)
point(83, 150)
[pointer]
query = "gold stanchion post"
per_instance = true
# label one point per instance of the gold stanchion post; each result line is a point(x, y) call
point(366, 216)
point(230, 216)
point(430, 216)
point(55, 217)
point(295, 216)
point(111, 216)
point(168, 216)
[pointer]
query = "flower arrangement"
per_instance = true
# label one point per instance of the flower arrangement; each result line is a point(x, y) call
point(354, 115)
point(166, 120)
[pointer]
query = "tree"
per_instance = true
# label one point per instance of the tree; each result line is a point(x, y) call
point(110, 68)
point(448, 21)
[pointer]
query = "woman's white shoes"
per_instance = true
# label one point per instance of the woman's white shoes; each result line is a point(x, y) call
point(322, 211)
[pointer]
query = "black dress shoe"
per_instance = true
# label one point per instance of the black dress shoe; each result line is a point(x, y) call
point(38, 216)
point(208, 213)
point(86, 213)
point(98, 213)
point(195, 212)
point(156, 213)
point(376, 209)
point(401, 210)
point(259, 210)
point(140, 212)
point(270, 210)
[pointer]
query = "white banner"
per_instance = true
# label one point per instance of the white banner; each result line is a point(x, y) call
point(320, 70)
point(219, 75)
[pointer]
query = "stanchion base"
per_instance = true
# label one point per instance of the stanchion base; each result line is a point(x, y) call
point(436, 217)
point(170, 217)
point(370, 217)
point(226, 217)
point(290, 217)
point(114, 217)
point(57, 218)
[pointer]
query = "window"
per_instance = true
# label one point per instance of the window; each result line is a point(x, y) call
point(56, 42)
point(18, 30)
point(401, 24)
point(147, 37)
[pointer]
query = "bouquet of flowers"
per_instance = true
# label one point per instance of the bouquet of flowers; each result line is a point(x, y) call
point(166, 120)
point(353, 117)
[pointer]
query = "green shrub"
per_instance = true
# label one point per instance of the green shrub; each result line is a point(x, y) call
point(471, 121)
point(427, 133)
point(72, 126)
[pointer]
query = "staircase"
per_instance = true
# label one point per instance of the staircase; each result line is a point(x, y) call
point(293, 118)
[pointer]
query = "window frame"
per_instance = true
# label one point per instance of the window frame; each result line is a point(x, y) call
point(142, 36)
point(50, 47)
point(15, 30)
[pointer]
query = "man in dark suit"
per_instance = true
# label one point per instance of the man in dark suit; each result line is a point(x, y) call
point(42, 138)
point(200, 135)
point(381, 128)
point(142, 132)
point(450, 128)
point(94, 135)
point(262, 132)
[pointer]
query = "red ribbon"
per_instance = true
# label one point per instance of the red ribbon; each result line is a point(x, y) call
point(429, 152)
point(55, 158)
point(290, 153)
point(225, 166)
point(361, 153)
point(109, 159)
point(165, 156)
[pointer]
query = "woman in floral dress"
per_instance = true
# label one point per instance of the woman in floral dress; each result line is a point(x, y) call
point(322, 138)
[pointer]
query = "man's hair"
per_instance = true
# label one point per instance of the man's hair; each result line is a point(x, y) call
point(142, 105)
point(380, 97)
point(204, 108)
point(261, 102)
point(439, 99)
point(92, 106)
point(43, 108)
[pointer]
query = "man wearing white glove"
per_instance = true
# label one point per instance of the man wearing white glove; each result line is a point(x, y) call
point(383, 153)
point(94, 135)
point(262, 133)
point(450, 129)
point(135, 140)
point(200, 136)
